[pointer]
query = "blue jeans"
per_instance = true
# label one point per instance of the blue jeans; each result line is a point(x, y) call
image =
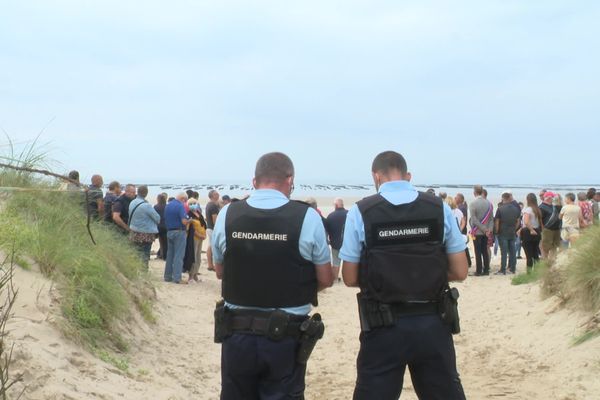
point(507, 249)
point(175, 252)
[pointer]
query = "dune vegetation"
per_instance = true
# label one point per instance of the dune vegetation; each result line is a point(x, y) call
point(574, 277)
point(98, 285)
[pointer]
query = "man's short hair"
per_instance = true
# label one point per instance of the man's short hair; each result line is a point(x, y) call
point(478, 190)
point(74, 175)
point(570, 196)
point(211, 193)
point(591, 193)
point(275, 167)
point(506, 196)
point(142, 191)
point(388, 161)
point(113, 185)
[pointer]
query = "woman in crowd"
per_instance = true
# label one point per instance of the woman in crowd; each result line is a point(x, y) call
point(143, 223)
point(196, 235)
point(159, 207)
point(531, 229)
point(586, 209)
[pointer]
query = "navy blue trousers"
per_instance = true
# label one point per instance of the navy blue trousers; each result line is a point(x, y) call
point(424, 343)
point(254, 367)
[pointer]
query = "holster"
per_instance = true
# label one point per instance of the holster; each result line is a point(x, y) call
point(374, 314)
point(449, 308)
point(311, 330)
point(222, 322)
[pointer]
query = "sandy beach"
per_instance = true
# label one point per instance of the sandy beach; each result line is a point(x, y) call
point(512, 346)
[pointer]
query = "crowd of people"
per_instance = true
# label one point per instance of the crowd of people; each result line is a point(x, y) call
point(539, 229)
point(540, 226)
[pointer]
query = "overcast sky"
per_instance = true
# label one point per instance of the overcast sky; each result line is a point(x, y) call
point(156, 91)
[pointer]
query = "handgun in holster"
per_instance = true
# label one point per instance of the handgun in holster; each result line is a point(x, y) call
point(449, 309)
point(222, 323)
point(311, 330)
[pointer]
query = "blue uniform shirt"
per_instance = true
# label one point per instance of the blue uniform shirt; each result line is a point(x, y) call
point(312, 243)
point(396, 192)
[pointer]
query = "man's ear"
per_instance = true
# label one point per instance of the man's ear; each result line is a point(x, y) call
point(408, 177)
point(254, 183)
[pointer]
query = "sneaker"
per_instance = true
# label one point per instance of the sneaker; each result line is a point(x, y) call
point(500, 273)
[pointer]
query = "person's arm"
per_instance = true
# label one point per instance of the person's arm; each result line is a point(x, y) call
point(350, 273)
point(100, 204)
point(527, 223)
point(119, 221)
point(582, 222)
point(218, 244)
point(496, 225)
point(324, 276)
point(352, 245)
point(458, 267)
point(463, 223)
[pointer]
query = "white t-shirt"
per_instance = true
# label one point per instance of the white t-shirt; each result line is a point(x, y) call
point(458, 215)
point(533, 221)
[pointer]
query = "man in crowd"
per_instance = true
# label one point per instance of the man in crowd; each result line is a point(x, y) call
point(113, 193)
point(482, 223)
point(505, 223)
point(550, 226)
point(212, 210)
point(176, 221)
point(95, 205)
point(120, 208)
point(334, 225)
point(385, 240)
point(273, 257)
point(461, 204)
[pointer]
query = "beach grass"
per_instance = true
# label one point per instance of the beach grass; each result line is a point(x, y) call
point(538, 271)
point(583, 266)
point(99, 285)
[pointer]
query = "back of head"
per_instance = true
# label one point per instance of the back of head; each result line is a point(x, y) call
point(190, 193)
point(506, 197)
point(142, 191)
point(182, 197)
point(570, 196)
point(312, 202)
point(478, 190)
point(97, 180)
point(273, 167)
point(582, 196)
point(74, 175)
point(338, 202)
point(113, 186)
point(450, 201)
point(531, 200)
point(161, 199)
point(591, 193)
point(389, 161)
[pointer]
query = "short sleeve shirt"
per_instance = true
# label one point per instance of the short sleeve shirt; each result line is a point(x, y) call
point(396, 192)
point(212, 208)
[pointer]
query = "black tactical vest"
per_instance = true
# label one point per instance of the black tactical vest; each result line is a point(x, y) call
point(263, 266)
point(404, 259)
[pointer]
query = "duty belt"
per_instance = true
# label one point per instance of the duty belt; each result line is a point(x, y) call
point(374, 314)
point(276, 323)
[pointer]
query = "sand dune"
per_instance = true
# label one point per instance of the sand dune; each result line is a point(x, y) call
point(511, 347)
